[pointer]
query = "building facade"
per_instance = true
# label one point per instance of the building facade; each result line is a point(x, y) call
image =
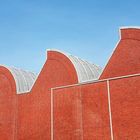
point(71, 99)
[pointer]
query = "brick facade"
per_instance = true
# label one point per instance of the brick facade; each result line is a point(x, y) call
point(101, 110)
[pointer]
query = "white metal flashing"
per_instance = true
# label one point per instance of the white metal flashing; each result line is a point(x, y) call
point(97, 81)
point(109, 109)
point(52, 119)
point(130, 27)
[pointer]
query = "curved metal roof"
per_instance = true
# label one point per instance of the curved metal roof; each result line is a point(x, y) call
point(24, 79)
point(85, 70)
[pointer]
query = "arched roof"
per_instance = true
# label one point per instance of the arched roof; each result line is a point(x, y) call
point(85, 70)
point(24, 79)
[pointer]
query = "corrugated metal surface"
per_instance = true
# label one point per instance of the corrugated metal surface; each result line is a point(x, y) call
point(24, 79)
point(85, 71)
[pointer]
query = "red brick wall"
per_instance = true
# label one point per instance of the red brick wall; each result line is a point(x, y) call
point(82, 112)
point(126, 57)
point(67, 114)
point(34, 108)
point(125, 104)
point(27, 116)
point(8, 110)
point(95, 112)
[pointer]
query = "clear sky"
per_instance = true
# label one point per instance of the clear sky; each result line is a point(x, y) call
point(88, 29)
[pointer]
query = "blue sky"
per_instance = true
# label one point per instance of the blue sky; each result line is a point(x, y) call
point(88, 29)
